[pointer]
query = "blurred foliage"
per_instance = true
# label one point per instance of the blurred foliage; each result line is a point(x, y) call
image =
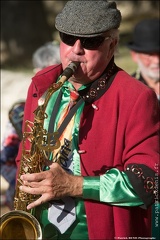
point(28, 24)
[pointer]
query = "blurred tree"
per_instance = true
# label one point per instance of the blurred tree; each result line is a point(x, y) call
point(23, 29)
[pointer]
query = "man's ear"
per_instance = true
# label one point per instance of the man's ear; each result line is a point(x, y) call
point(113, 43)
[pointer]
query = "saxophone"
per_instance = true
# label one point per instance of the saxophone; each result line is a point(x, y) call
point(20, 223)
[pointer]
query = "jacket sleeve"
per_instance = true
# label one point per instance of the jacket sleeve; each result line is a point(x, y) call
point(142, 146)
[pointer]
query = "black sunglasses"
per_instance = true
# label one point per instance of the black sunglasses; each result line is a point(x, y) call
point(90, 43)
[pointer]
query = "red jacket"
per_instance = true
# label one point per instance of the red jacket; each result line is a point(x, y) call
point(121, 133)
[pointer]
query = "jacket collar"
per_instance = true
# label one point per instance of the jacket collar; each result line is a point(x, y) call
point(44, 78)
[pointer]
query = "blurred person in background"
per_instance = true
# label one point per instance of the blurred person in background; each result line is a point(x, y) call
point(145, 51)
point(9, 150)
point(46, 55)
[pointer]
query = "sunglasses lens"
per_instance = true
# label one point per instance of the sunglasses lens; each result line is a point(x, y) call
point(89, 43)
point(93, 42)
point(67, 39)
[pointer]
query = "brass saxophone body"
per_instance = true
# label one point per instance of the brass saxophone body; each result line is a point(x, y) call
point(20, 223)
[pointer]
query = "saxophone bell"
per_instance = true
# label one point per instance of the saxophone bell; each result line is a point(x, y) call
point(19, 225)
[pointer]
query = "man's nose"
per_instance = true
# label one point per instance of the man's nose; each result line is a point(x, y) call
point(77, 48)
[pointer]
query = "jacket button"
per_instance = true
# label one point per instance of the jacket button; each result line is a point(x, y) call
point(34, 94)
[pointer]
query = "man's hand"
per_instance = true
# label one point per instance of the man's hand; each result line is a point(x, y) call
point(55, 183)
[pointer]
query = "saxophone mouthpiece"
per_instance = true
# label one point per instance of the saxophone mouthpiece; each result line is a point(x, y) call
point(70, 69)
point(74, 65)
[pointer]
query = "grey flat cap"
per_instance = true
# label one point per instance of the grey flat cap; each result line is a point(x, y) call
point(88, 18)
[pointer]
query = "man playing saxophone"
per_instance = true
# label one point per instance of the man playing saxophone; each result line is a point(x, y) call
point(99, 181)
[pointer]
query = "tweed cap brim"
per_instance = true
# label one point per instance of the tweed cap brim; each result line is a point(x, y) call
point(88, 18)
